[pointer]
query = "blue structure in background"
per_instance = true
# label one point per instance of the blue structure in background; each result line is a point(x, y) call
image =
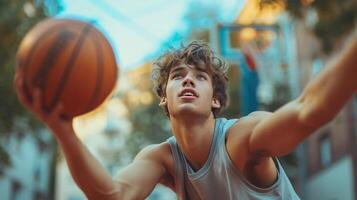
point(249, 78)
point(248, 86)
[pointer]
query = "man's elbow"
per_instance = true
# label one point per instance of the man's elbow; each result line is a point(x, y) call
point(116, 193)
point(314, 115)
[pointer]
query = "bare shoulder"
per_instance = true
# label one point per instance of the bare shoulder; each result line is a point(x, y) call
point(160, 153)
point(247, 123)
point(156, 152)
point(237, 141)
point(134, 180)
point(259, 115)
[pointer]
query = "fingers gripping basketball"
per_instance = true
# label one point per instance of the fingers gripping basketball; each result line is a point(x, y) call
point(71, 62)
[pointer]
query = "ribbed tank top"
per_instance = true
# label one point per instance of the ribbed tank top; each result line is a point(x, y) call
point(218, 179)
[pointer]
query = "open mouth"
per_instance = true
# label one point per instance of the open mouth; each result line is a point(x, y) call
point(188, 93)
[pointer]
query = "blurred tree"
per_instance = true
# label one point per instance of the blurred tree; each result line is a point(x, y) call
point(330, 20)
point(16, 18)
point(148, 121)
point(233, 108)
point(150, 126)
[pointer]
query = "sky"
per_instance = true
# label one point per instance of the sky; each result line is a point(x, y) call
point(138, 28)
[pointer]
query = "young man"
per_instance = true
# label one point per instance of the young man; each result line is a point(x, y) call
point(209, 158)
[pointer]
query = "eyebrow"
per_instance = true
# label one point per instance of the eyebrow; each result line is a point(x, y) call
point(201, 70)
point(179, 68)
point(175, 69)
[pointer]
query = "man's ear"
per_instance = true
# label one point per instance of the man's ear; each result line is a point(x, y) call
point(163, 101)
point(216, 103)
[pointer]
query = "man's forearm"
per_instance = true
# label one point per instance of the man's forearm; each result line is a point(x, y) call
point(87, 172)
point(325, 95)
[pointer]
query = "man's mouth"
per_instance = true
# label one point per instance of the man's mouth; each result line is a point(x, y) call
point(188, 93)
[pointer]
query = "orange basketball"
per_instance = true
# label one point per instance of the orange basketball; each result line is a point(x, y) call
point(71, 62)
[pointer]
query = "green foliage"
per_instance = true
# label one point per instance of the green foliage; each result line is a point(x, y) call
point(14, 23)
point(150, 126)
point(233, 108)
point(335, 19)
point(4, 160)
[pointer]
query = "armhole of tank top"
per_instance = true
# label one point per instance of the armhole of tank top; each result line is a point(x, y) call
point(276, 183)
point(250, 185)
point(228, 125)
point(222, 145)
point(247, 183)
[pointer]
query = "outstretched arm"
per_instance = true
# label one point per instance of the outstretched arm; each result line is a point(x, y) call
point(133, 183)
point(136, 181)
point(279, 133)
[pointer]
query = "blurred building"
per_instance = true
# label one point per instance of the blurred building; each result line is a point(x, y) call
point(31, 175)
point(329, 157)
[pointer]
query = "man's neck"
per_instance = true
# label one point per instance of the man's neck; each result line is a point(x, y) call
point(194, 136)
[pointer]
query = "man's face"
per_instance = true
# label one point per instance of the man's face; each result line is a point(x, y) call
point(189, 91)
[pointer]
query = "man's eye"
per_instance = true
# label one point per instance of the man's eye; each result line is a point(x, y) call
point(176, 76)
point(201, 77)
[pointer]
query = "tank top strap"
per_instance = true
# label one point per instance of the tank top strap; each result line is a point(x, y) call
point(182, 183)
point(179, 173)
point(223, 126)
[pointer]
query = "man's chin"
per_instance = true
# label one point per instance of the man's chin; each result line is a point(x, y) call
point(188, 111)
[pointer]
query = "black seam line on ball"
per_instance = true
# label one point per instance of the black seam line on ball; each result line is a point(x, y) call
point(100, 72)
point(60, 43)
point(25, 65)
point(69, 68)
point(56, 48)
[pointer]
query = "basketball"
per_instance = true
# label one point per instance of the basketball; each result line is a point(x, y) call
point(71, 62)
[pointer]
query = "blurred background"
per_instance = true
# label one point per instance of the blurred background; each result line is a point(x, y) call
point(274, 48)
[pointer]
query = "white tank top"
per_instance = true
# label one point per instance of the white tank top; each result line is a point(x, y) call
point(219, 179)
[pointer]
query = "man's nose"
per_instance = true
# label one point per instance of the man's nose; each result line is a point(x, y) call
point(188, 81)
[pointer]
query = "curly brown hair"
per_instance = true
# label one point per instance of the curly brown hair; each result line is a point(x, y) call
point(200, 55)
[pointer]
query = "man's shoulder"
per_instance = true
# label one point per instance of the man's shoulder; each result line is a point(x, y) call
point(246, 124)
point(160, 154)
point(259, 114)
point(155, 150)
point(238, 138)
point(252, 118)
